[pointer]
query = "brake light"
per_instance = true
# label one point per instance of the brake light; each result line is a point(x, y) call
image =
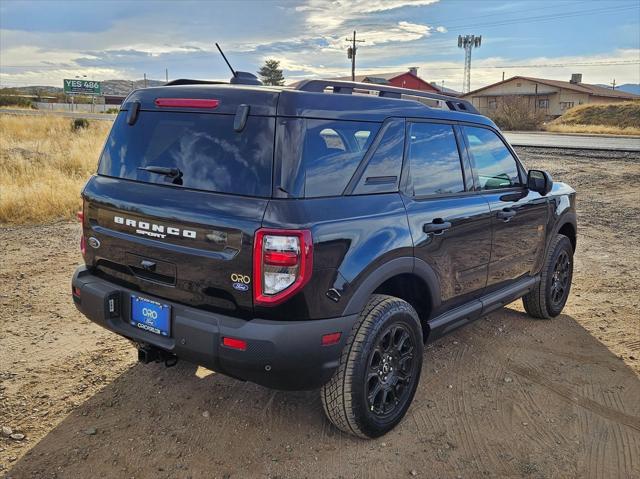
point(186, 103)
point(282, 264)
point(280, 258)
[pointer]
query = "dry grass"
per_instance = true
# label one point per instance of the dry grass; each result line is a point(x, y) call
point(607, 119)
point(43, 166)
point(592, 129)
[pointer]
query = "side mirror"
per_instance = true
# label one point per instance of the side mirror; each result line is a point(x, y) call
point(539, 181)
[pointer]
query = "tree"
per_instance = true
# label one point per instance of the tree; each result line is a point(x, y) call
point(271, 74)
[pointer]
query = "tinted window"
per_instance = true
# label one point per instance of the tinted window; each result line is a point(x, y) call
point(495, 165)
point(331, 159)
point(434, 161)
point(204, 147)
point(382, 173)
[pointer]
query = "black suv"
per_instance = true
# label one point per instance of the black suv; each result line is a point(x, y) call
point(316, 236)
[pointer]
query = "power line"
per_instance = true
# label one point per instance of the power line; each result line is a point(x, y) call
point(542, 18)
point(542, 65)
point(538, 65)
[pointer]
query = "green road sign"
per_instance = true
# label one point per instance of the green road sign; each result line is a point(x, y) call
point(83, 87)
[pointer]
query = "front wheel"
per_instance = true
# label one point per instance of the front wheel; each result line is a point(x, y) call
point(379, 369)
point(548, 297)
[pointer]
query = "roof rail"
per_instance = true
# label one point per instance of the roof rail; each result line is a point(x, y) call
point(348, 87)
point(187, 81)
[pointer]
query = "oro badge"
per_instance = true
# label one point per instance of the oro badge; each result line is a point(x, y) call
point(240, 281)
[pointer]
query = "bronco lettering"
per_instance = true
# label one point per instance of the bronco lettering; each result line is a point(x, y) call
point(152, 229)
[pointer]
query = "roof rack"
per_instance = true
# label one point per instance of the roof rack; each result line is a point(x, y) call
point(348, 87)
point(187, 81)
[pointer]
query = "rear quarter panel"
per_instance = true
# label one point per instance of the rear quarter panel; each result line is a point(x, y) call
point(352, 236)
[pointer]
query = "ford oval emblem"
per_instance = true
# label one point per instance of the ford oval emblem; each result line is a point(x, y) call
point(240, 286)
point(93, 242)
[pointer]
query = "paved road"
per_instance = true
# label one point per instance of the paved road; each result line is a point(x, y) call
point(585, 142)
point(68, 114)
point(539, 139)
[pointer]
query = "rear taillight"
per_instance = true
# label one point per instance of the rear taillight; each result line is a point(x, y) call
point(282, 264)
point(83, 244)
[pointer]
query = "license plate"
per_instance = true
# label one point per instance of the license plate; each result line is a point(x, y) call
point(150, 315)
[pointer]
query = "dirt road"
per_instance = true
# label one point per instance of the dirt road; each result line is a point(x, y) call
point(507, 396)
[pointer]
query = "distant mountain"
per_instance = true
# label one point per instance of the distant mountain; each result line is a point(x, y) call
point(123, 87)
point(109, 87)
point(628, 87)
point(34, 90)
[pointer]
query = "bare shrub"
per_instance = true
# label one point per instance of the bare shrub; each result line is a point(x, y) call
point(516, 112)
point(79, 124)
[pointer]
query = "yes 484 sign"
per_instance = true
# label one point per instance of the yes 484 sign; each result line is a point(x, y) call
point(84, 87)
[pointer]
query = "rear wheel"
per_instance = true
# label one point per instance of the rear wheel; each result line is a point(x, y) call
point(548, 298)
point(379, 369)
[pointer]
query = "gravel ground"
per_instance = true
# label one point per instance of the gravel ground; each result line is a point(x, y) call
point(507, 396)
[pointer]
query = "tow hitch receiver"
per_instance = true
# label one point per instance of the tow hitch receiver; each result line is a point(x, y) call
point(149, 354)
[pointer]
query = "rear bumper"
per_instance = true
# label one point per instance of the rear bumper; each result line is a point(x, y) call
point(279, 354)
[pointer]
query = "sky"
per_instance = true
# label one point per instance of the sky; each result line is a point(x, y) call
point(42, 42)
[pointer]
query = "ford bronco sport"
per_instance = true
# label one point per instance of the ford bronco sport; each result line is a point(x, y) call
point(315, 236)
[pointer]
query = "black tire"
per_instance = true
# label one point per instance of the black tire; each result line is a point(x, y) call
point(550, 295)
point(387, 335)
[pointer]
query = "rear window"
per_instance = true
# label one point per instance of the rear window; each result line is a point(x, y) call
point(319, 157)
point(204, 147)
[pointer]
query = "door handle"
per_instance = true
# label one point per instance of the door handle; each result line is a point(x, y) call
point(437, 226)
point(506, 214)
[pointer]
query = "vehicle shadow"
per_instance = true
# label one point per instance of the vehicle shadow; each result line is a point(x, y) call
point(507, 396)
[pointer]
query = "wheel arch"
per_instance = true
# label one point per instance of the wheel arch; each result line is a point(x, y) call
point(407, 278)
point(567, 226)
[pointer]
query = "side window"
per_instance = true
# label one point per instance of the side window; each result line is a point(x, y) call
point(434, 160)
point(494, 164)
point(382, 173)
point(332, 150)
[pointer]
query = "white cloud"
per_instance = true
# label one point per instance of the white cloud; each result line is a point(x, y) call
point(327, 16)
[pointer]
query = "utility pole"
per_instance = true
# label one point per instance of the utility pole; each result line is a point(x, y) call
point(351, 54)
point(613, 85)
point(468, 42)
point(145, 80)
point(166, 74)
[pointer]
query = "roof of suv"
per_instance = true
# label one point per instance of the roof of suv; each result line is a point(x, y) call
point(316, 99)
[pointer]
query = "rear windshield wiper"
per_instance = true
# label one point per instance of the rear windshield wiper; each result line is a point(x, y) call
point(162, 170)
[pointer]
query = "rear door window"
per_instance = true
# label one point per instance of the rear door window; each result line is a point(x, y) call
point(205, 149)
point(433, 160)
point(494, 164)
